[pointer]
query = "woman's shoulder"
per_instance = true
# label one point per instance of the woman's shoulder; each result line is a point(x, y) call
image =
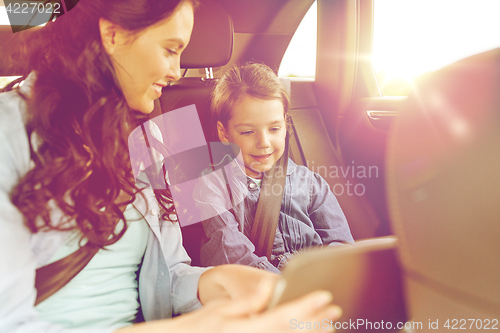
point(13, 104)
point(14, 147)
point(12, 118)
point(12, 109)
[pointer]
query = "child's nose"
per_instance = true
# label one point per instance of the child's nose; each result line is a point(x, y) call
point(263, 141)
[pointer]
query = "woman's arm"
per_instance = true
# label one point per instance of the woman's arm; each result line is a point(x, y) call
point(233, 282)
point(249, 315)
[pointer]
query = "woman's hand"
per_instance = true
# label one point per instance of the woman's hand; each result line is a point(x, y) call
point(236, 299)
point(235, 282)
point(246, 316)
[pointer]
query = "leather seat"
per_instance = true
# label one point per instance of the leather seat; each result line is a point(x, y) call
point(311, 146)
point(443, 185)
point(211, 46)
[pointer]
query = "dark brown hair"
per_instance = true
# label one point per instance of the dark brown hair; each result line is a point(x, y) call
point(252, 79)
point(78, 112)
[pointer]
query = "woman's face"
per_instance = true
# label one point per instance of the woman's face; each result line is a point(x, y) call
point(146, 61)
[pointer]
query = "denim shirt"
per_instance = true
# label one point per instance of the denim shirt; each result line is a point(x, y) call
point(167, 283)
point(310, 216)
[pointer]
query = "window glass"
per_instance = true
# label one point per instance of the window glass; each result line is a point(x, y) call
point(4, 19)
point(300, 56)
point(5, 80)
point(412, 37)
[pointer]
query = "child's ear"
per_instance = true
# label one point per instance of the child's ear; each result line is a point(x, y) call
point(221, 131)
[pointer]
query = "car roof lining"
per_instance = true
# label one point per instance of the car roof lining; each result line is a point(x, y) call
point(261, 26)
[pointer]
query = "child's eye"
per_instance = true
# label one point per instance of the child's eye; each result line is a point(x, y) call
point(246, 132)
point(275, 129)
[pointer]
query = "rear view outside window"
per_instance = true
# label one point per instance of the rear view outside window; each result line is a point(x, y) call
point(300, 56)
point(412, 37)
point(4, 20)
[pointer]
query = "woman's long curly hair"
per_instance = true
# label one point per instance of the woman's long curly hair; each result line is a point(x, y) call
point(79, 113)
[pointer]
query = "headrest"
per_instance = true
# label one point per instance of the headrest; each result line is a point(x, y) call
point(211, 43)
point(443, 174)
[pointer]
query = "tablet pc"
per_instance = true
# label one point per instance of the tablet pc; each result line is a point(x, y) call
point(364, 279)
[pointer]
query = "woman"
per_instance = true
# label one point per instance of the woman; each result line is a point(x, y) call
point(65, 180)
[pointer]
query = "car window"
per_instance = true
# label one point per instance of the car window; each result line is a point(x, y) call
point(412, 37)
point(4, 20)
point(300, 56)
point(5, 80)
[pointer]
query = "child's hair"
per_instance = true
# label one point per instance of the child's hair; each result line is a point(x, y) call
point(251, 79)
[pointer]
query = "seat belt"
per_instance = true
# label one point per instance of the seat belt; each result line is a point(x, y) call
point(52, 277)
point(269, 206)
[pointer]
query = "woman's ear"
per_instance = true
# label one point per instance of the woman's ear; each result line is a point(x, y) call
point(108, 34)
point(221, 131)
point(112, 35)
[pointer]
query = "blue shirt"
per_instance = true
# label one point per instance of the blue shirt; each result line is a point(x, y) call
point(310, 216)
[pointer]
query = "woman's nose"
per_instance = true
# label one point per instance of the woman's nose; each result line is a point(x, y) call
point(175, 69)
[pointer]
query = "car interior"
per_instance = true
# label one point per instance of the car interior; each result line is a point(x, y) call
point(434, 155)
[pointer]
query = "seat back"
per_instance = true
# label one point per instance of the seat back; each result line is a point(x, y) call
point(443, 185)
point(311, 146)
point(210, 46)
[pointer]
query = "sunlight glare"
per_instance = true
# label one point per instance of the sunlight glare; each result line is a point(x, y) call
point(412, 37)
point(4, 18)
point(300, 56)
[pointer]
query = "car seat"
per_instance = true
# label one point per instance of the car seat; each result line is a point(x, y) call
point(443, 177)
point(310, 145)
point(211, 46)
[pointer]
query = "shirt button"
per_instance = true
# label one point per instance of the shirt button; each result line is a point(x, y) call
point(154, 212)
point(252, 185)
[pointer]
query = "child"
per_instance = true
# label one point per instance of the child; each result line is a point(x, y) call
point(250, 107)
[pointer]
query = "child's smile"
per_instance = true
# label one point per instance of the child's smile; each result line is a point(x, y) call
point(258, 127)
point(261, 158)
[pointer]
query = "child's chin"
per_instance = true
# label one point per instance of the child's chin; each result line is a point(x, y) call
point(254, 173)
point(260, 172)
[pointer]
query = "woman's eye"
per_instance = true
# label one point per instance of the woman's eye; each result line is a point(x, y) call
point(172, 51)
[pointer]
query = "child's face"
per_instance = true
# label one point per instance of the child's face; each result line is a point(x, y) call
point(257, 126)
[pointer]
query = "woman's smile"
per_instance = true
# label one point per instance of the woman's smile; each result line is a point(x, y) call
point(158, 88)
